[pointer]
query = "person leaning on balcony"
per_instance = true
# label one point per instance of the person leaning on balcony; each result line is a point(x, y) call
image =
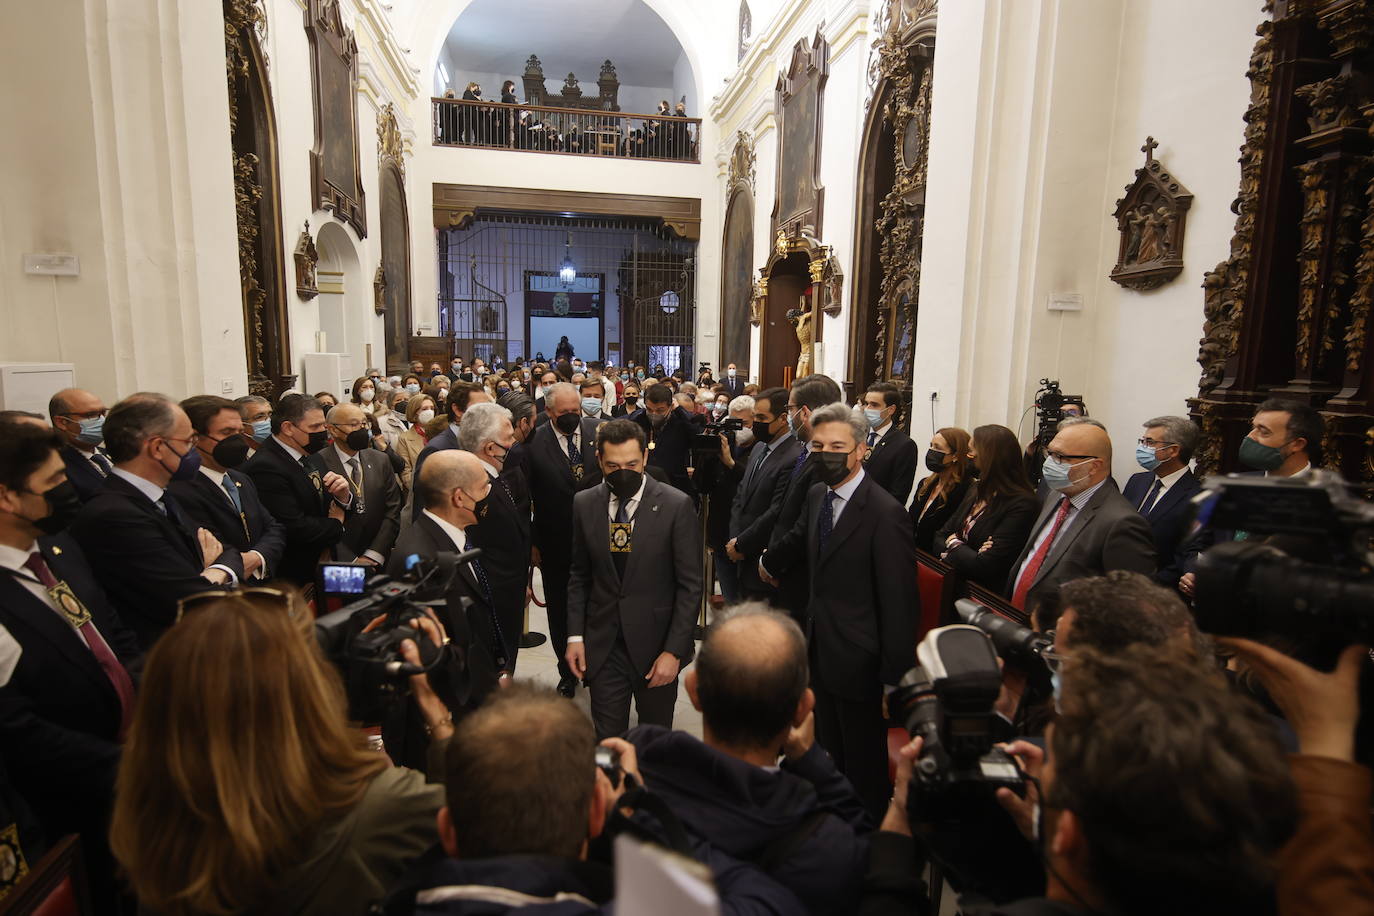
point(505, 119)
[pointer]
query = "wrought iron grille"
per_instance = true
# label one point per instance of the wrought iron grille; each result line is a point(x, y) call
point(499, 283)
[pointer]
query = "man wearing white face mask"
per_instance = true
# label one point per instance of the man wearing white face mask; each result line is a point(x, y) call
point(734, 385)
point(1085, 528)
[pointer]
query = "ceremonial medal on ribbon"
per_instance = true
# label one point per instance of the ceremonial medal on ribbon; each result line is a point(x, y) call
point(620, 536)
point(70, 605)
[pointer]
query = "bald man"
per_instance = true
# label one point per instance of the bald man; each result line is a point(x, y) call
point(373, 518)
point(79, 418)
point(1086, 527)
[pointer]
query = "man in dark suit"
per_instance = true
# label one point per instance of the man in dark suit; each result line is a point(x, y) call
point(79, 418)
point(502, 531)
point(223, 499)
point(1085, 529)
point(460, 397)
point(374, 514)
point(635, 587)
point(773, 457)
point(562, 460)
point(734, 385)
point(310, 505)
point(146, 552)
point(67, 662)
point(863, 610)
point(669, 431)
point(891, 453)
point(1163, 492)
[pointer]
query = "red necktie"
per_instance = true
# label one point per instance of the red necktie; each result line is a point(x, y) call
point(1037, 560)
point(113, 668)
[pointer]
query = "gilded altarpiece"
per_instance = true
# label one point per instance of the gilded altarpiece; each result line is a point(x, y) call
point(891, 217)
point(257, 200)
point(1287, 313)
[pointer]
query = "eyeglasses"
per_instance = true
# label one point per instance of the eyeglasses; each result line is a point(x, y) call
point(1061, 457)
point(199, 599)
point(1154, 443)
point(356, 424)
point(87, 415)
point(191, 441)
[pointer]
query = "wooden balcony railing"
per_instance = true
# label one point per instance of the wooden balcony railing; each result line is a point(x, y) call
point(570, 131)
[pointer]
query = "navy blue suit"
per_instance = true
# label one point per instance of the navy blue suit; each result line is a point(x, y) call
point(208, 506)
point(1169, 518)
point(85, 477)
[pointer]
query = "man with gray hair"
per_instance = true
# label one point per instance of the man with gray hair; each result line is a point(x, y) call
point(256, 412)
point(857, 544)
point(145, 552)
point(502, 530)
point(799, 821)
point(374, 513)
point(1163, 492)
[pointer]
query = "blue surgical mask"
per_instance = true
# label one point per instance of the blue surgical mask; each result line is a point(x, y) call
point(874, 417)
point(1056, 475)
point(262, 429)
point(412, 388)
point(624, 376)
point(92, 430)
point(591, 405)
point(792, 422)
point(1147, 457)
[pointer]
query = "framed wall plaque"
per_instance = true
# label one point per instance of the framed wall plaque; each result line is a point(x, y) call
point(798, 104)
point(336, 179)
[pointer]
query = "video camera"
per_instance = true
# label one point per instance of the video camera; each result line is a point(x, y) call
point(947, 700)
point(1294, 558)
point(706, 450)
point(1013, 642)
point(363, 638)
point(1050, 402)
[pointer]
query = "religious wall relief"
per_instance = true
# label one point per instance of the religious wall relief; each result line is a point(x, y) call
point(336, 179)
point(1150, 220)
point(307, 258)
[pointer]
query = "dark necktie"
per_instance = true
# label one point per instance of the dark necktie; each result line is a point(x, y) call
point(498, 638)
point(797, 465)
point(827, 525)
point(1037, 560)
point(172, 510)
point(621, 560)
point(574, 458)
point(754, 466)
point(104, 655)
point(1152, 497)
point(232, 489)
point(872, 437)
point(101, 462)
point(355, 474)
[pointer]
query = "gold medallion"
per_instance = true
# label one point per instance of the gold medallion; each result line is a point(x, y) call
point(577, 471)
point(70, 605)
point(620, 536)
point(12, 865)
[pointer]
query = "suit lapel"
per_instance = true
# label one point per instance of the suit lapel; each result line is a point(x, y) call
point(1172, 496)
point(181, 534)
point(444, 544)
point(646, 521)
point(46, 622)
point(1077, 525)
point(849, 517)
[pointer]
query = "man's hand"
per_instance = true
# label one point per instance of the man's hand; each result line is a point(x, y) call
point(432, 709)
point(338, 487)
point(367, 561)
point(336, 511)
point(732, 552)
point(664, 670)
point(726, 458)
point(987, 545)
point(1022, 810)
point(576, 657)
point(210, 547)
point(252, 562)
point(629, 764)
point(896, 820)
point(764, 575)
point(800, 738)
point(1186, 583)
point(1321, 708)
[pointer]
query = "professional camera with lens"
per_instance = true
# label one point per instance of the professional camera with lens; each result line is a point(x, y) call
point(706, 450)
point(947, 700)
point(1013, 642)
point(1293, 558)
point(363, 638)
point(1050, 402)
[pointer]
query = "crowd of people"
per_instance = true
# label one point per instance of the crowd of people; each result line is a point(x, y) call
point(511, 124)
point(163, 694)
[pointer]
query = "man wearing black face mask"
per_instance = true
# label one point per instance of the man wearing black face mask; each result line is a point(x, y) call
point(222, 498)
point(669, 431)
point(310, 505)
point(635, 586)
point(374, 513)
point(773, 457)
point(67, 662)
point(146, 551)
point(861, 618)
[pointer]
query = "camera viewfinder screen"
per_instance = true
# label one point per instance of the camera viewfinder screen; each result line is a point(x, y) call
point(342, 579)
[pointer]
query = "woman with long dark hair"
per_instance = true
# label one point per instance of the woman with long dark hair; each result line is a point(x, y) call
point(986, 533)
point(940, 494)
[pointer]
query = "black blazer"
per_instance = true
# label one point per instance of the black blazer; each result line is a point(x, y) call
point(444, 440)
point(1106, 534)
point(756, 508)
point(672, 445)
point(1170, 518)
point(926, 526)
point(789, 558)
point(85, 477)
point(552, 486)
point(373, 521)
point(209, 507)
point(296, 497)
point(892, 463)
point(59, 713)
point(654, 608)
point(145, 560)
point(470, 630)
point(864, 608)
point(733, 386)
point(503, 533)
point(1007, 521)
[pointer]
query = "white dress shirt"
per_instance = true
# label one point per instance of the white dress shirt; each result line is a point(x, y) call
point(290, 449)
point(881, 431)
point(457, 535)
point(154, 494)
point(576, 439)
point(613, 509)
point(492, 470)
point(217, 478)
point(1076, 504)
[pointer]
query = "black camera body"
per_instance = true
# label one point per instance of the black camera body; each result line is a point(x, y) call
point(1050, 402)
point(706, 451)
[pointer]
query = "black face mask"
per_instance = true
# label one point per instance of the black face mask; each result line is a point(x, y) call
point(567, 423)
point(63, 505)
point(658, 419)
point(624, 483)
point(763, 432)
point(935, 461)
point(230, 452)
point(318, 441)
point(830, 468)
point(358, 440)
point(631, 401)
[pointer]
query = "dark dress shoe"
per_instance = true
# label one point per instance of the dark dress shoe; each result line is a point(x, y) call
point(567, 687)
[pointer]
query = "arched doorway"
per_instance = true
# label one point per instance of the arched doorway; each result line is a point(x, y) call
point(344, 298)
point(789, 289)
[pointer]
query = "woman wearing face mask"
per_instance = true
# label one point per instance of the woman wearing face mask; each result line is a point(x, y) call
point(938, 495)
point(420, 412)
point(412, 385)
point(390, 423)
point(631, 402)
point(326, 400)
point(987, 531)
point(365, 394)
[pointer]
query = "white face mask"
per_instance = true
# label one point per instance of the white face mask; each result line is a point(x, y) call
point(366, 395)
point(425, 416)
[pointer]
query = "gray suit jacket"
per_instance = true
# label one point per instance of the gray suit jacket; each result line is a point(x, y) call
point(1106, 534)
point(656, 606)
point(373, 522)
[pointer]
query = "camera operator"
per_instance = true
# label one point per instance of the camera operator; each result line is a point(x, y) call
point(716, 474)
point(243, 788)
point(1164, 792)
point(801, 823)
point(525, 801)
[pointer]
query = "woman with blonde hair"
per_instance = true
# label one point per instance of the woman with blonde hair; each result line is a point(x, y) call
point(420, 411)
point(243, 787)
point(938, 495)
point(391, 423)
